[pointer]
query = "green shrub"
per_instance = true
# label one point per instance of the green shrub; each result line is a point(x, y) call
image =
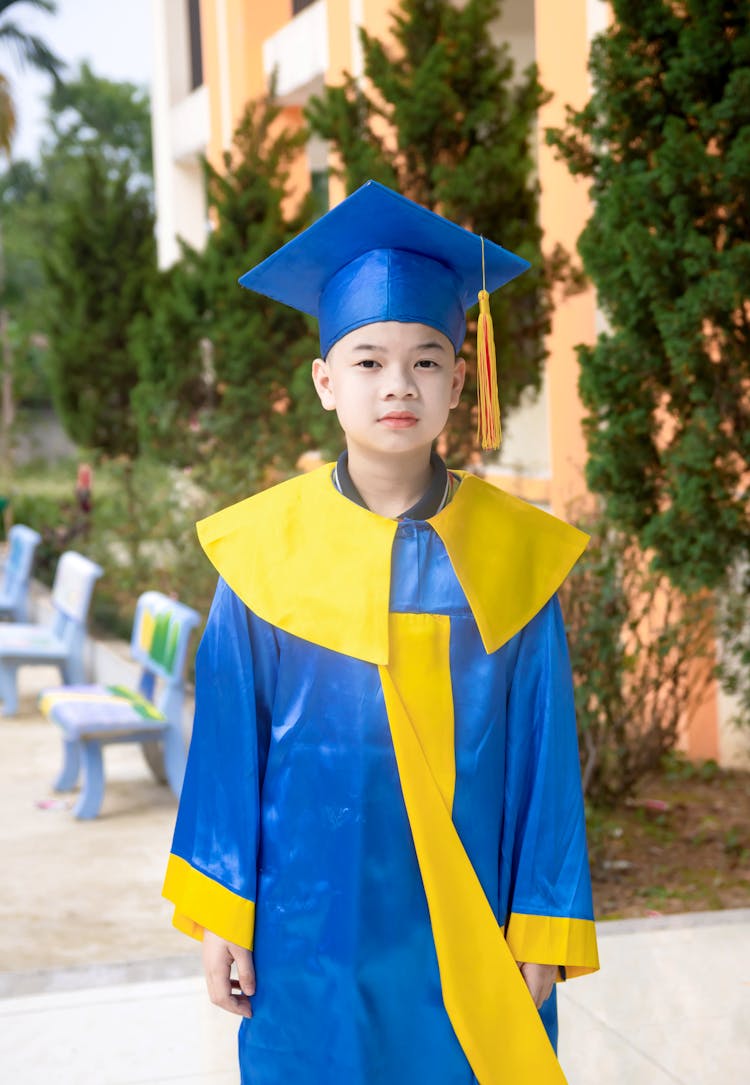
point(641, 658)
point(140, 530)
point(56, 519)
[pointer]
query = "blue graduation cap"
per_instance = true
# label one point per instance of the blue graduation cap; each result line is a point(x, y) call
point(379, 256)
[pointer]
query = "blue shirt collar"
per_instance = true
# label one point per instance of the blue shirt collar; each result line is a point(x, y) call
point(430, 503)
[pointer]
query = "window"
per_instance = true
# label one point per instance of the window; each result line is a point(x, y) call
point(319, 188)
point(196, 50)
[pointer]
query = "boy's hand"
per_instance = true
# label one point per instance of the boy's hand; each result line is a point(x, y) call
point(223, 990)
point(540, 979)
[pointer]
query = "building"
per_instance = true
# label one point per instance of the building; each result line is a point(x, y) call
point(212, 56)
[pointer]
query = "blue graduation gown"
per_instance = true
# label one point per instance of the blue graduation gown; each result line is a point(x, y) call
point(292, 812)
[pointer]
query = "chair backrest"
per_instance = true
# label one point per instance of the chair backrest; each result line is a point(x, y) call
point(72, 589)
point(161, 632)
point(22, 542)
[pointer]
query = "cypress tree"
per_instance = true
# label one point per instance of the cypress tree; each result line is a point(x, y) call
point(665, 140)
point(98, 266)
point(225, 372)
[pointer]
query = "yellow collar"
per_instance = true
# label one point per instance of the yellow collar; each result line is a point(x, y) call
point(315, 564)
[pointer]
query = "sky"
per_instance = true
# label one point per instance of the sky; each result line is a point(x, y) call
point(114, 36)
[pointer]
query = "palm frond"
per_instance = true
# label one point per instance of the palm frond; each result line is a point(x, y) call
point(50, 6)
point(31, 49)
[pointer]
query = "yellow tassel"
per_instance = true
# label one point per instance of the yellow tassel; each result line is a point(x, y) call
point(488, 424)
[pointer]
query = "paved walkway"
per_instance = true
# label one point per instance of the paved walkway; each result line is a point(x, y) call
point(671, 1005)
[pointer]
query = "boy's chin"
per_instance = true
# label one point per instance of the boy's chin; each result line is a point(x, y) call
point(392, 444)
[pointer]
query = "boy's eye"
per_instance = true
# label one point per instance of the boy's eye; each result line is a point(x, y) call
point(426, 363)
point(367, 363)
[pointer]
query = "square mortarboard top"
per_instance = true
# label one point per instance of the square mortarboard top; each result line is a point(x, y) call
point(379, 256)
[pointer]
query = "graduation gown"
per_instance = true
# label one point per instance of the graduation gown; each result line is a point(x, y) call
point(383, 796)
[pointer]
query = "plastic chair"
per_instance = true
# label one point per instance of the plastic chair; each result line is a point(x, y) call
point(61, 642)
point(16, 576)
point(94, 716)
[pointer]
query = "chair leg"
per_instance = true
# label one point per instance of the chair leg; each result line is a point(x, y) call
point(153, 753)
point(73, 672)
point(90, 802)
point(68, 775)
point(175, 759)
point(8, 689)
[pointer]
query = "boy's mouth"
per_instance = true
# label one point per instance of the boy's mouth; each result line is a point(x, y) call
point(398, 419)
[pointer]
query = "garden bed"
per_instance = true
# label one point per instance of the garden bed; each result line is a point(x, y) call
point(680, 844)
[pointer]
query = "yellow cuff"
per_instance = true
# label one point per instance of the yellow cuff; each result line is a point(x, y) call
point(544, 939)
point(187, 925)
point(202, 904)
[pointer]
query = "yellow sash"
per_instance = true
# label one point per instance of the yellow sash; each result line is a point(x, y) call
point(485, 996)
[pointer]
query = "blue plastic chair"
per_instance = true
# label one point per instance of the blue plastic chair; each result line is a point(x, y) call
point(60, 643)
point(94, 716)
point(16, 576)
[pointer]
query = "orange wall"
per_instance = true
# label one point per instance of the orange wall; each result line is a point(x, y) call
point(562, 51)
point(339, 61)
point(298, 187)
point(700, 740)
point(240, 73)
point(232, 84)
point(378, 18)
point(339, 40)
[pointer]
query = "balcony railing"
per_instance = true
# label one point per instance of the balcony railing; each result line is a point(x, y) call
point(298, 53)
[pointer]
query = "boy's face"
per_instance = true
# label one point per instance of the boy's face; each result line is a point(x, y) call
point(391, 384)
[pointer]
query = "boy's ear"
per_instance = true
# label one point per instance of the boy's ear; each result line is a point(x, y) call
point(459, 376)
point(321, 376)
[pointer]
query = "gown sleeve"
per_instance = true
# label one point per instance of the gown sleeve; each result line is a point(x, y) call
point(544, 860)
point(211, 873)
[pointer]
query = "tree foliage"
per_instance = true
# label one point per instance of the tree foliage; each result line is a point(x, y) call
point(89, 111)
point(225, 372)
point(22, 221)
point(443, 116)
point(98, 264)
point(87, 116)
point(665, 140)
point(28, 49)
point(25, 231)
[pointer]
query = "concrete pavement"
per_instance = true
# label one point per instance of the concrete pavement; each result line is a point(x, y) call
point(671, 1006)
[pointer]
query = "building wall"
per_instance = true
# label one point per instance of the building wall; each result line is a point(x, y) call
point(563, 33)
point(544, 453)
point(180, 123)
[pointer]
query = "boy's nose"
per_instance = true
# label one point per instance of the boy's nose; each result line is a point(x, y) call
point(400, 385)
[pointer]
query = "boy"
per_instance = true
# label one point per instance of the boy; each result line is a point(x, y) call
point(382, 795)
